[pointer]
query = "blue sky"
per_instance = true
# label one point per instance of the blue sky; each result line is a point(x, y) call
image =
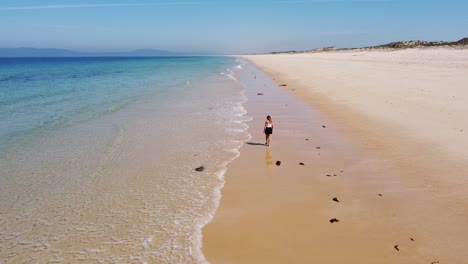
point(226, 26)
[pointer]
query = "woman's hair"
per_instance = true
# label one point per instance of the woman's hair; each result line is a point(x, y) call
point(269, 117)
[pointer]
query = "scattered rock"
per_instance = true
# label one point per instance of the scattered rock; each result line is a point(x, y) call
point(324, 126)
point(201, 168)
point(301, 163)
point(396, 247)
point(259, 93)
point(307, 139)
point(317, 147)
point(333, 220)
point(380, 194)
point(336, 200)
point(411, 239)
point(328, 175)
point(278, 163)
point(435, 262)
point(341, 171)
point(335, 175)
point(284, 85)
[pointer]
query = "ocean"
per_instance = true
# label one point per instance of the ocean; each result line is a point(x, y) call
point(98, 156)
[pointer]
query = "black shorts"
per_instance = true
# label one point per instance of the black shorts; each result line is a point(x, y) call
point(269, 130)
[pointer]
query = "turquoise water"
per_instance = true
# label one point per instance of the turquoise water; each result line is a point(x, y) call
point(39, 95)
point(98, 155)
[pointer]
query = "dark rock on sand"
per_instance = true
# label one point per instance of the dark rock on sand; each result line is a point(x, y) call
point(307, 139)
point(317, 147)
point(411, 239)
point(336, 200)
point(284, 85)
point(324, 126)
point(396, 247)
point(259, 93)
point(380, 194)
point(333, 220)
point(278, 163)
point(201, 168)
point(301, 163)
point(328, 175)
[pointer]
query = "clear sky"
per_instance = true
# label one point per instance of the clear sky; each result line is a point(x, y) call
point(240, 26)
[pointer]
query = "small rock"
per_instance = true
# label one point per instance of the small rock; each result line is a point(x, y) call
point(328, 175)
point(336, 200)
point(396, 247)
point(201, 168)
point(307, 139)
point(411, 239)
point(284, 85)
point(335, 175)
point(317, 147)
point(380, 194)
point(278, 163)
point(301, 163)
point(333, 220)
point(435, 262)
point(324, 126)
point(259, 93)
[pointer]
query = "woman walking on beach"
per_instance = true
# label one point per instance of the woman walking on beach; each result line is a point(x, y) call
point(268, 130)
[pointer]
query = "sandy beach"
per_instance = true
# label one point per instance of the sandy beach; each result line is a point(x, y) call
point(383, 132)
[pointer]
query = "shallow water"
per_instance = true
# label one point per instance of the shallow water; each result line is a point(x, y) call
point(98, 155)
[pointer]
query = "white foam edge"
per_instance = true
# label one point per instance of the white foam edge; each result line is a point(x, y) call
point(199, 256)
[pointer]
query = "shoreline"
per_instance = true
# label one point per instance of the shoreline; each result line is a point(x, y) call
point(255, 224)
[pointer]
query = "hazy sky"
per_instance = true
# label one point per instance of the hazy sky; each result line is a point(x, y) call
point(226, 26)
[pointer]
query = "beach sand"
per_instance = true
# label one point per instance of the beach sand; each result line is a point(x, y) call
point(384, 132)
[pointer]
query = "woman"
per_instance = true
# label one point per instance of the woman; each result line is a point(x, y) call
point(268, 130)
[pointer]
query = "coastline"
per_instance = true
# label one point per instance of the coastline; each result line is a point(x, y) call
point(394, 207)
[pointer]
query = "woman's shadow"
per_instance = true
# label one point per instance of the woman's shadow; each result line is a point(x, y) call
point(255, 144)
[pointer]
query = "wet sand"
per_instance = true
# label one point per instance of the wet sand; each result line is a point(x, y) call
point(398, 175)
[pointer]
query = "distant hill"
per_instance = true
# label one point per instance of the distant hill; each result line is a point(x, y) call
point(420, 43)
point(38, 52)
point(393, 45)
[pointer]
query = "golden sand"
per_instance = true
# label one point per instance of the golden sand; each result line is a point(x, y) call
point(400, 166)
